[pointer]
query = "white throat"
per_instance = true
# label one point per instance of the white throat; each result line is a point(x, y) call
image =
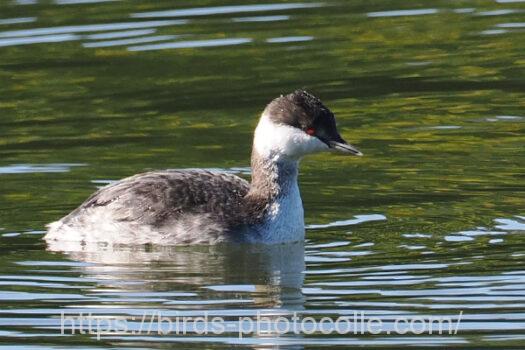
point(279, 142)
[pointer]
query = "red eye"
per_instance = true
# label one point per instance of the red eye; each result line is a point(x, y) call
point(310, 131)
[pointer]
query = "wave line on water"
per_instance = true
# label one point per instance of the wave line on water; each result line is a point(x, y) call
point(122, 42)
point(17, 20)
point(358, 220)
point(191, 44)
point(216, 10)
point(399, 13)
point(89, 28)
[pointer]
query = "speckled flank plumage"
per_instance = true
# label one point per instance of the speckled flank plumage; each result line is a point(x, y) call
point(198, 206)
point(170, 206)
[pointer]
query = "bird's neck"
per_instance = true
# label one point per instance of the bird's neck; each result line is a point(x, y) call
point(274, 204)
point(273, 207)
point(272, 176)
point(274, 171)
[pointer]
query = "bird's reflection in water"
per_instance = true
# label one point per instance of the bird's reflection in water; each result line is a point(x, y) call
point(196, 277)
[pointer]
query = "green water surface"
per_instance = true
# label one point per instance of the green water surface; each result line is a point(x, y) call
point(431, 221)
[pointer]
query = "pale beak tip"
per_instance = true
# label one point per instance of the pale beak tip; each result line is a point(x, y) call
point(345, 148)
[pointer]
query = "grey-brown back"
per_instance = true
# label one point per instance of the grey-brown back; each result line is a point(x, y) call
point(160, 197)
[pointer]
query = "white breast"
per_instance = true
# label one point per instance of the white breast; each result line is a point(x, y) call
point(285, 219)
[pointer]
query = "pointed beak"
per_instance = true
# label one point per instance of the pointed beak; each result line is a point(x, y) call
point(336, 143)
point(345, 148)
point(339, 145)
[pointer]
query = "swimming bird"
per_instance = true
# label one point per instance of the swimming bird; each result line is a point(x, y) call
point(180, 206)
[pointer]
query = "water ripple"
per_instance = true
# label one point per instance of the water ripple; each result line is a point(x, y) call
point(76, 2)
point(511, 25)
point(120, 34)
point(511, 224)
point(38, 168)
point(41, 39)
point(342, 223)
point(17, 20)
point(497, 12)
point(191, 44)
point(123, 42)
point(88, 28)
point(399, 13)
point(261, 19)
point(289, 39)
point(205, 11)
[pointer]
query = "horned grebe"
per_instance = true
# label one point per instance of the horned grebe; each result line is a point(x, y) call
point(199, 206)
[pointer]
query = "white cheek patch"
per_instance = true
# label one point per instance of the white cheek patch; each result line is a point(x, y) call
point(275, 140)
